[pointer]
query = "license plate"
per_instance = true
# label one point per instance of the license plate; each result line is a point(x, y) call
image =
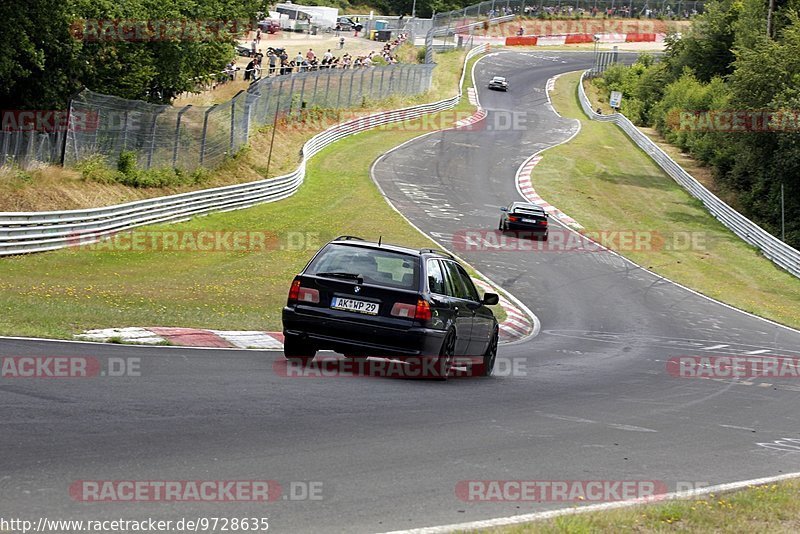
point(360, 306)
point(529, 220)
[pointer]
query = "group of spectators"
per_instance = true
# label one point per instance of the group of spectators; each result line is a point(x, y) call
point(278, 62)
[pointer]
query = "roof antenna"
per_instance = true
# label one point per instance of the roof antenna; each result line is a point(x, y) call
point(380, 237)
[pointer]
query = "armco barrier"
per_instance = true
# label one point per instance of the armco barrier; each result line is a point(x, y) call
point(22, 233)
point(773, 248)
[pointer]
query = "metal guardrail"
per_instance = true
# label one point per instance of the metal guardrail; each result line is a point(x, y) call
point(22, 233)
point(773, 248)
point(448, 30)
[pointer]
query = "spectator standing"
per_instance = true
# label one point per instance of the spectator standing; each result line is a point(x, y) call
point(258, 36)
point(310, 55)
point(231, 69)
point(327, 56)
point(273, 61)
point(253, 46)
point(341, 43)
point(249, 70)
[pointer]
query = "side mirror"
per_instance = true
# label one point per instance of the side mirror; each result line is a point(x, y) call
point(490, 299)
point(503, 208)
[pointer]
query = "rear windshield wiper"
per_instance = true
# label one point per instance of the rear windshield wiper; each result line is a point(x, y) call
point(349, 276)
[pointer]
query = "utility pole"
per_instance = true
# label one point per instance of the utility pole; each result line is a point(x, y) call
point(414, 9)
point(769, 18)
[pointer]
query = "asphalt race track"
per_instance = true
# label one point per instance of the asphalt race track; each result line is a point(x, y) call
point(590, 398)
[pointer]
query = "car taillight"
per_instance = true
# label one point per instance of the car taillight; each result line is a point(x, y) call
point(544, 222)
point(420, 311)
point(294, 291)
point(401, 309)
point(308, 295)
point(512, 218)
point(423, 310)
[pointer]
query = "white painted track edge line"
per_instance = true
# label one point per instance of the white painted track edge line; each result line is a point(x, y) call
point(600, 507)
point(106, 344)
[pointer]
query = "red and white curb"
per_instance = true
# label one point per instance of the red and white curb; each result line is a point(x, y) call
point(187, 337)
point(472, 96)
point(516, 326)
point(525, 187)
point(466, 124)
point(478, 116)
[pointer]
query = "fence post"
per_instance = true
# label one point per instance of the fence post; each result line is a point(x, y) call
point(233, 123)
point(328, 87)
point(372, 84)
point(339, 88)
point(361, 84)
point(380, 87)
point(303, 89)
point(124, 127)
point(291, 94)
point(205, 133)
point(316, 83)
point(152, 140)
point(176, 141)
point(265, 93)
point(6, 141)
point(350, 92)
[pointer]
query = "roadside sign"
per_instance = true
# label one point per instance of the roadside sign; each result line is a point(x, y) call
point(616, 99)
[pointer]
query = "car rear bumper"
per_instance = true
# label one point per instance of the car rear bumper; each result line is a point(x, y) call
point(359, 337)
point(526, 227)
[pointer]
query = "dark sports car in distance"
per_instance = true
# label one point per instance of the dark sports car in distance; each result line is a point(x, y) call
point(366, 299)
point(498, 83)
point(523, 216)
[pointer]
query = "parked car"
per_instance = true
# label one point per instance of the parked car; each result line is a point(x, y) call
point(244, 51)
point(269, 25)
point(366, 299)
point(498, 83)
point(526, 217)
point(345, 24)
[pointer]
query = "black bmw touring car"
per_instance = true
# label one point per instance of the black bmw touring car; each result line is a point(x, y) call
point(366, 299)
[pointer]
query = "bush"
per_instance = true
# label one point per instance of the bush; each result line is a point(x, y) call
point(95, 169)
point(126, 162)
point(421, 55)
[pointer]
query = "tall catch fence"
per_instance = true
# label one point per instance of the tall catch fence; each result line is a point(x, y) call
point(195, 136)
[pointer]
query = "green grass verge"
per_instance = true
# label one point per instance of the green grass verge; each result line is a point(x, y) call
point(768, 508)
point(603, 180)
point(58, 294)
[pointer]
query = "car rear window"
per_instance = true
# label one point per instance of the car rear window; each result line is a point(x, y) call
point(529, 211)
point(374, 266)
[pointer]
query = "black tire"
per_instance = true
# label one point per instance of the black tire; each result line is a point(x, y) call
point(446, 357)
point(297, 350)
point(486, 367)
point(544, 237)
point(500, 225)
